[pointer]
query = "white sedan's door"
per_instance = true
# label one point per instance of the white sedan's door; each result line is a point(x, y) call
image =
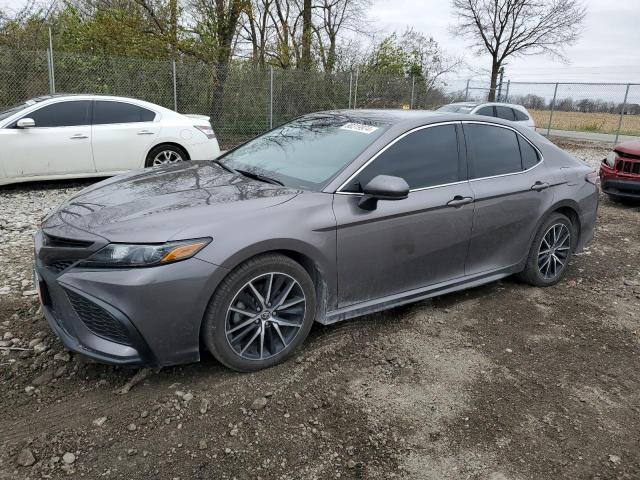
point(59, 144)
point(122, 135)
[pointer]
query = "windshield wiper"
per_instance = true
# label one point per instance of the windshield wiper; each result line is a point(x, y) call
point(226, 167)
point(261, 178)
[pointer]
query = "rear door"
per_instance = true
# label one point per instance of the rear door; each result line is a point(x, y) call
point(512, 189)
point(59, 144)
point(411, 243)
point(123, 134)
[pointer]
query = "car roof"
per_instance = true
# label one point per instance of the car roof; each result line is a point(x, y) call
point(406, 119)
point(90, 96)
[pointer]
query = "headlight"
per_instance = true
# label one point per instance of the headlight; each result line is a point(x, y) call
point(611, 159)
point(136, 255)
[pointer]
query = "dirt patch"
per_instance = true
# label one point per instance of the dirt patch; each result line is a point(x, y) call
point(499, 382)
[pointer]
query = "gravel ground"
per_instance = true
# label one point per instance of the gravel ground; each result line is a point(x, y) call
point(499, 382)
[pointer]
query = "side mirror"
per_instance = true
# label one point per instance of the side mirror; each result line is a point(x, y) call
point(383, 187)
point(26, 123)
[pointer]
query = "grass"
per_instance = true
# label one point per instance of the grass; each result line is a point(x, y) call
point(588, 122)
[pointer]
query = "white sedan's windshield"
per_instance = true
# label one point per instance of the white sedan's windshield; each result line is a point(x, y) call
point(308, 151)
point(10, 111)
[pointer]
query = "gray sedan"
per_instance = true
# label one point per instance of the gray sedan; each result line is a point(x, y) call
point(328, 217)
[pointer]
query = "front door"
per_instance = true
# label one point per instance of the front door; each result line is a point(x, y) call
point(123, 134)
point(411, 243)
point(59, 144)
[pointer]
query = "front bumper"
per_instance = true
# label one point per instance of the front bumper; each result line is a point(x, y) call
point(621, 188)
point(138, 316)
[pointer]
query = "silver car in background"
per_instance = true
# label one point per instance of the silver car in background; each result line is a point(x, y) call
point(331, 216)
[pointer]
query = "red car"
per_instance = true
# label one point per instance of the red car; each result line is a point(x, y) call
point(620, 171)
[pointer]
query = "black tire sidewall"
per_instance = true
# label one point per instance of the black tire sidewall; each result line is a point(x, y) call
point(159, 148)
point(213, 330)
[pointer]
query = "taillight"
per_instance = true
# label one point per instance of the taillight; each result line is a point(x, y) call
point(207, 130)
point(592, 177)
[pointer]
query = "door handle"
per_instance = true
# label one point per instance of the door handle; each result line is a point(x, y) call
point(146, 132)
point(78, 136)
point(539, 186)
point(459, 201)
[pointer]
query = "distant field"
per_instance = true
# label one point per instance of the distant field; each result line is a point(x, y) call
point(588, 122)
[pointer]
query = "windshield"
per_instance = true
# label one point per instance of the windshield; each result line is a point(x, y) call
point(456, 108)
point(10, 111)
point(307, 151)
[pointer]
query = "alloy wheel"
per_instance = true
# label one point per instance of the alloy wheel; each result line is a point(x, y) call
point(265, 316)
point(167, 157)
point(554, 251)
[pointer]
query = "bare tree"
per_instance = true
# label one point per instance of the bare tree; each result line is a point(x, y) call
point(335, 16)
point(507, 28)
point(305, 58)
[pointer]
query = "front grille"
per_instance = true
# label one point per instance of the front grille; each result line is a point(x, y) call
point(98, 320)
point(629, 167)
point(53, 241)
point(60, 266)
point(627, 155)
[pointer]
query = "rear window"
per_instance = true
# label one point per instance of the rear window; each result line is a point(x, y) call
point(107, 112)
point(505, 113)
point(529, 154)
point(495, 150)
point(520, 116)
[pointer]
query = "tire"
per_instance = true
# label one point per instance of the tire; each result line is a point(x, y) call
point(534, 271)
point(237, 346)
point(167, 154)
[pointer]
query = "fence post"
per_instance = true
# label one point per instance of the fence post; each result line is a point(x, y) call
point(355, 89)
point(624, 105)
point(466, 91)
point(506, 95)
point(413, 88)
point(52, 70)
point(271, 97)
point(175, 86)
point(553, 104)
point(499, 98)
point(350, 87)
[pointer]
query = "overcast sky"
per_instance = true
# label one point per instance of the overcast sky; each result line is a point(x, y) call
point(608, 50)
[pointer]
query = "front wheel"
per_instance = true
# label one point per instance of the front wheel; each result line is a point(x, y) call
point(260, 313)
point(550, 252)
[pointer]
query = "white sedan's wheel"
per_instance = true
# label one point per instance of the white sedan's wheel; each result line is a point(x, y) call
point(165, 155)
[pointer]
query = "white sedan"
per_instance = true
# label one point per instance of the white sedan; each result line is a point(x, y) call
point(75, 136)
point(506, 111)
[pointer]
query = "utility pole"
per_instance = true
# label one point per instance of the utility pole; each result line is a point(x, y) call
point(499, 97)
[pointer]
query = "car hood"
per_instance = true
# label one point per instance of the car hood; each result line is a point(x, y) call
point(632, 147)
point(154, 205)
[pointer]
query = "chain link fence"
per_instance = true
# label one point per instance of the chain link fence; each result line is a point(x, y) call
point(244, 101)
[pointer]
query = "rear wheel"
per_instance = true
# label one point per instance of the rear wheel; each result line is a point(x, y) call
point(550, 252)
point(260, 313)
point(165, 155)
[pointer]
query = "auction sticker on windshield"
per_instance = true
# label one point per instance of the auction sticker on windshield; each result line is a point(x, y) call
point(359, 127)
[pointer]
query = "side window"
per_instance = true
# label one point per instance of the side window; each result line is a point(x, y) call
point(495, 150)
point(487, 111)
point(62, 114)
point(424, 158)
point(529, 154)
point(107, 112)
point(520, 116)
point(505, 112)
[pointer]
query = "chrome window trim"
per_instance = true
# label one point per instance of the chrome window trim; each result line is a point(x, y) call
point(454, 122)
